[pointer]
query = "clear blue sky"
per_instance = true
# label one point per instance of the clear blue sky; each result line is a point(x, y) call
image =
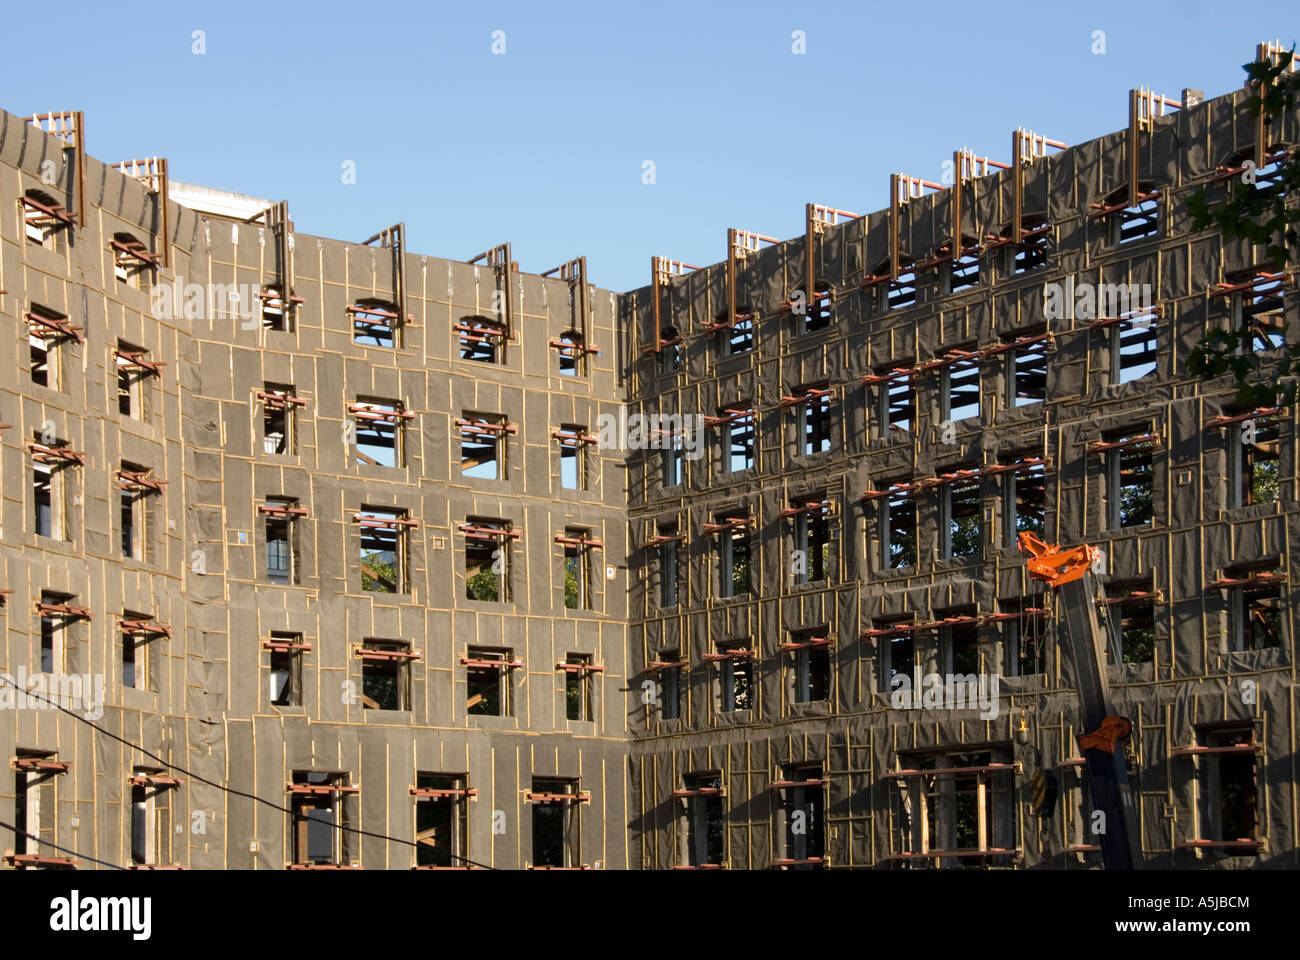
point(543, 145)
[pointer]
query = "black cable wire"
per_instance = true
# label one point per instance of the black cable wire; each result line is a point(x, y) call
point(240, 793)
point(73, 853)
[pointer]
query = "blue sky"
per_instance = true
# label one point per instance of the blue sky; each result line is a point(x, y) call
point(543, 145)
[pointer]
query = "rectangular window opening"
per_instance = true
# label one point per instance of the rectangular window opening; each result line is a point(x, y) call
point(1024, 501)
point(385, 675)
point(1130, 478)
point(577, 688)
point(1134, 348)
point(734, 556)
point(383, 550)
point(810, 665)
point(1028, 373)
point(481, 339)
point(668, 568)
point(812, 561)
point(286, 669)
point(487, 560)
point(577, 569)
point(488, 691)
point(960, 388)
point(670, 679)
point(705, 825)
point(278, 419)
point(899, 540)
point(960, 504)
point(442, 820)
point(379, 432)
point(555, 824)
point(483, 445)
point(573, 456)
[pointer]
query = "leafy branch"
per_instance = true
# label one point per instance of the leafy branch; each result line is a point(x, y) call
point(1259, 214)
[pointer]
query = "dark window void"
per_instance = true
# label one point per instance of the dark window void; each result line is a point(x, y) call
point(960, 385)
point(383, 551)
point(897, 658)
point(705, 826)
point(805, 832)
point(898, 518)
point(960, 501)
point(1260, 311)
point(1256, 456)
point(812, 542)
point(132, 504)
point(1032, 251)
point(814, 417)
point(740, 440)
point(54, 632)
point(135, 652)
point(1132, 621)
point(441, 821)
point(1023, 635)
point(577, 569)
point(577, 687)
point(555, 824)
point(959, 645)
point(735, 677)
point(131, 377)
point(1256, 617)
point(820, 310)
point(810, 666)
point(733, 558)
point(669, 358)
point(487, 561)
point(385, 676)
point(286, 670)
point(1024, 502)
point(46, 518)
point(1230, 807)
point(481, 339)
point(487, 684)
point(1129, 482)
point(670, 679)
point(668, 569)
point(737, 337)
point(281, 549)
point(317, 818)
point(1027, 367)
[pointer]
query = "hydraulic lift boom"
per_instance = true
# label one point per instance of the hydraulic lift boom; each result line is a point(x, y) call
point(1067, 570)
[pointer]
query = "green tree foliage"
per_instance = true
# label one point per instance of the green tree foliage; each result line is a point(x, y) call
point(483, 586)
point(1260, 214)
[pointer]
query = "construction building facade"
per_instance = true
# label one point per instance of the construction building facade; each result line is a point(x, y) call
point(335, 555)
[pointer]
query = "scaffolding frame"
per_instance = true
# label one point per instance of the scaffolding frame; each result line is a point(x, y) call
point(69, 126)
point(504, 267)
point(152, 172)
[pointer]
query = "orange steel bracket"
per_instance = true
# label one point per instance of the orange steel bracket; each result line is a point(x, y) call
point(1054, 564)
point(1112, 730)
